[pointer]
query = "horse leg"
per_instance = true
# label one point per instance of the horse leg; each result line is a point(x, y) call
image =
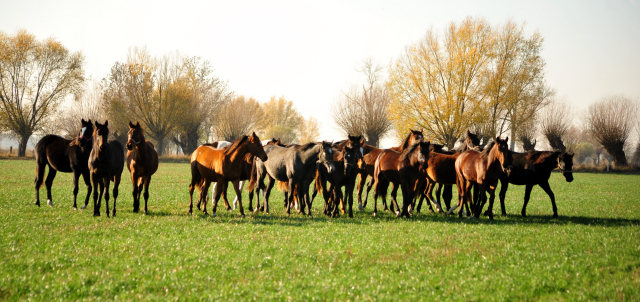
point(107, 182)
point(116, 185)
point(481, 200)
point(290, 201)
point(40, 166)
point(225, 199)
point(76, 177)
point(192, 186)
point(204, 190)
point(492, 196)
point(96, 186)
point(48, 183)
point(429, 194)
point(235, 200)
point(147, 180)
point(87, 181)
point(270, 183)
point(504, 185)
point(394, 199)
point(547, 189)
point(135, 193)
point(366, 196)
point(460, 189)
point(303, 197)
point(447, 195)
point(216, 196)
point(238, 188)
point(527, 195)
point(361, 183)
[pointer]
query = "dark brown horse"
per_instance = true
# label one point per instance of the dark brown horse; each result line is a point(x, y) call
point(367, 163)
point(482, 169)
point(66, 156)
point(401, 169)
point(106, 163)
point(344, 175)
point(142, 162)
point(534, 168)
point(222, 165)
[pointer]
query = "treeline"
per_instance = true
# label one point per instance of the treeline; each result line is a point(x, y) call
point(176, 98)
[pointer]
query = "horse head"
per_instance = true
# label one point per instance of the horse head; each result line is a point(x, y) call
point(416, 136)
point(436, 148)
point(423, 152)
point(565, 164)
point(135, 136)
point(255, 147)
point(501, 151)
point(101, 134)
point(326, 156)
point(356, 143)
point(350, 158)
point(472, 140)
point(86, 133)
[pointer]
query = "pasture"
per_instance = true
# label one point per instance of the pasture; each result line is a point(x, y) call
point(591, 252)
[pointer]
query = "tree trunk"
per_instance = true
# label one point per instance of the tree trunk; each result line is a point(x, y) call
point(373, 140)
point(22, 146)
point(616, 150)
point(556, 143)
point(160, 146)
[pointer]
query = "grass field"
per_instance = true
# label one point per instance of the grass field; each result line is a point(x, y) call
point(592, 252)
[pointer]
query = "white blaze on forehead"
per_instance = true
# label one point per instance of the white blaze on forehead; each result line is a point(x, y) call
point(83, 130)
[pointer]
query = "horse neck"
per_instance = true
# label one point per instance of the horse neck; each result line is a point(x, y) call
point(492, 159)
point(310, 154)
point(141, 149)
point(237, 154)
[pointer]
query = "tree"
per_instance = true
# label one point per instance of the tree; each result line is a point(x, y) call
point(365, 111)
point(309, 130)
point(281, 120)
point(437, 84)
point(87, 104)
point(35, 76)
point(238, 117)
point(555, 122)
point(611, 121)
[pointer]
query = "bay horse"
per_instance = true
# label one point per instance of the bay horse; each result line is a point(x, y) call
point(367, 163)
point(222, 165)
point(482, 169)
point(401, 169)
point(293, 164)
point(142, 162)
point(441, 171)
point(534, 168)
point(63, 155)
point(106, 163)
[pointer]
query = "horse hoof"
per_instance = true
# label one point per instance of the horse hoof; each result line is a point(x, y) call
point(242, 216)
point(49, 202)
point(213, 214)
point(360, 208)
point(374, 214)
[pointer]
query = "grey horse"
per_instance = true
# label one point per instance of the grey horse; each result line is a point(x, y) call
point(295, 165)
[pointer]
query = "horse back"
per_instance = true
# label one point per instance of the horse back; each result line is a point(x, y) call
point(54, 150)
point(387, 165)
point(441, 167)
point(370, 159)
point(117, 158)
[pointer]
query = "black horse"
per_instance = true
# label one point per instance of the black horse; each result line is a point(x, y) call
point(66, 156)
point(345, 175)
point(534, 168)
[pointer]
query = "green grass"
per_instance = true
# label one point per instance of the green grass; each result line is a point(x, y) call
point(592, 252)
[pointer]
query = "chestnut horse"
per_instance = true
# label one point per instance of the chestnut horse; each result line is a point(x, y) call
point(367, 163)
point(106, 163)
point(534, 168)
point(63, 155)
point(142, 162)
point(401, 169)
point(482, 169)
point(222, 165)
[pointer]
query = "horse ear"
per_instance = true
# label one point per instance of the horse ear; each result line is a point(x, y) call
point(137, 124)
point(106, 123)
point(131, 125)
point(83, 121)
point(506, 140)
point(96, 122)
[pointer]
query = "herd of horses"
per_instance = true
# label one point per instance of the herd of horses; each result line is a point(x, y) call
point(416, 167)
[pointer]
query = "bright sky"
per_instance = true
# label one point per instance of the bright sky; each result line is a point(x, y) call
point(308, 51)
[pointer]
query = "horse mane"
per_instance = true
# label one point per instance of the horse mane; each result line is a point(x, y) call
point(540, 157)
point(75, 142)
point(304, 147)
point(487, 148)
point(235, 145)
point(405, 142)
point(405, 154)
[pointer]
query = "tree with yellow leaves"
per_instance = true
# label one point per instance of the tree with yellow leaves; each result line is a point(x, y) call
point(281, 120)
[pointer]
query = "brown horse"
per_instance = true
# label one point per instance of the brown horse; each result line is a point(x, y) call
point(367, 163)
point(142, 162)
point(66, 156)
point(106, 163)
point(222, 165)
point(401, 169)
point(441, 171)
point(482, 169)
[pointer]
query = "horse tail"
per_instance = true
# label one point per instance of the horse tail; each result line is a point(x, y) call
point(41, 161)
point(197, 181)
point(381, 184)
point(253, 179)
point(283, 186)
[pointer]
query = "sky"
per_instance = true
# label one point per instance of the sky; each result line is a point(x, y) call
point(309, 51)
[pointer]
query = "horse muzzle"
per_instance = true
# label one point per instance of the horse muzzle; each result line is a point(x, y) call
point(507, 169)
point(568, 176)
point(330, 167)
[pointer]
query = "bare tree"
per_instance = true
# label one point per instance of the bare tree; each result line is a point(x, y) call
point(635, 160)
point(611, 121)
point(35, 76)
point(86, 104)
point(365, 111)
point(527, 134)
point(555, 121)
point(238, 117)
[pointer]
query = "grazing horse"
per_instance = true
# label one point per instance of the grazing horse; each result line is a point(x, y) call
point(295, 165)
point(142, 162)
point(222, 165)
point(534, 168)
point(66, 156)
point(106, 163)
point(344, 175)
point(401, 169)
point(367, 163)
point(482, 169)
